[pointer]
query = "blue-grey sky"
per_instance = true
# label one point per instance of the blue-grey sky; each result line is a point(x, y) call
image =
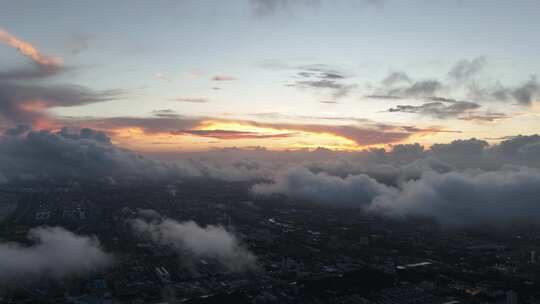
point(279, 73)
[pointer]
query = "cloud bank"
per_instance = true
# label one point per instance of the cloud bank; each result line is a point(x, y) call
point(87, 154)
point(189, 238)
point(464, 183)
point(56, 253)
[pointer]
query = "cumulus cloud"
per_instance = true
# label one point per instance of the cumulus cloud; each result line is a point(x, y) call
point(90, 154)
point(55, 253)
point(456, 198)
point(86, 154)
point(301, 183)
point(374, 180)
point(468, 199)
point(462, 183)
point(237, 170)
point(189, 238)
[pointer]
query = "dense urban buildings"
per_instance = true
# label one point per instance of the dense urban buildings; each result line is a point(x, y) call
point(301, 253)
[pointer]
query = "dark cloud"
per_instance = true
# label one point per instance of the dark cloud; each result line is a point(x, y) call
point(190, 239)
point(466, 69)
point(166, 113)
point(452, 198)
point(461, 147)
point(399, 85)
point(31, 72)
point(421, 88)
point(441, 99)
point(522, 147)
point(323, 78)
point(26, 103)
point(167, 123)
point(486, 117)
point(87, 154)
point(396, 78)
point(339, 89)
point(524, 94)
point(320, 77)
point(55, 253)
point(528, 92)
point(464, 74)
point(438, 109)
point(459, 183)
point(25, 97)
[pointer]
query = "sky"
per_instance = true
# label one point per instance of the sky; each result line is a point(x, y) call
point(170, 76)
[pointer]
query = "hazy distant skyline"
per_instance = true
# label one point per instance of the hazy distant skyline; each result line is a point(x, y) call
point(197, 75)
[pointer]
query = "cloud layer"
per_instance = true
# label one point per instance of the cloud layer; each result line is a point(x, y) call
point(87, 154)
point(55, 253)
point(189, 238)
point(464, 183)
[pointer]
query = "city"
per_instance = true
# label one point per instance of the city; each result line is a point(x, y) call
point(304, 253)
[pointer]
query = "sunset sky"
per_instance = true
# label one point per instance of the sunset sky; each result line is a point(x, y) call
point(181, 75)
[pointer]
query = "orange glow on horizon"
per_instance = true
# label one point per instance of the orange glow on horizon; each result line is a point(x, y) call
point(136, 138)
